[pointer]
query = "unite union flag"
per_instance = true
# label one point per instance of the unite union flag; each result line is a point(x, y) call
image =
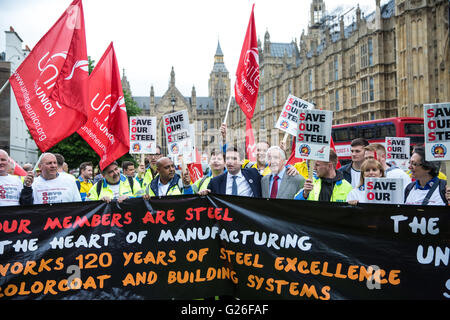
point(106, 129)
point(247, 74)
point(51, 84)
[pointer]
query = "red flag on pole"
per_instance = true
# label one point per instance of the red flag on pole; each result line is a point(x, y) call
point(250, 145)
point(51, 83)
point(106, 130)
point(18, 170)
point(247, 73)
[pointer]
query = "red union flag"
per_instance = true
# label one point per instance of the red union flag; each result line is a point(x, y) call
point(250, 145)
point(106, 130)
point(51, 83)
point(247, 73)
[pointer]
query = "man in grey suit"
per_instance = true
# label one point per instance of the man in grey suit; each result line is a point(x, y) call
point(278, 184)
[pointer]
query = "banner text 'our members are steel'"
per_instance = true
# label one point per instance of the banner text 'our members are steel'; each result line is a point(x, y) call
point(190, 247)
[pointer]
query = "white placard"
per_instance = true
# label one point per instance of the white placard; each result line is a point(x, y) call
point(314, 135)
point(178, 132)
point(397, 151)
point(384, 190)
point(437, 131)
point(142, 135)
point(289, 116)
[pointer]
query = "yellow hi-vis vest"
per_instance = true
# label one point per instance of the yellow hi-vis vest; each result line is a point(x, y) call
point(124, 189)
point(340, 191)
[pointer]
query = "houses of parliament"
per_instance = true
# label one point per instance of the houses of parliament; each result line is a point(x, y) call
point(362, 66)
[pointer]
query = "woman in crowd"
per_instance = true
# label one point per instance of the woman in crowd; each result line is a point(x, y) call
point(427, 189)
point(369, 169)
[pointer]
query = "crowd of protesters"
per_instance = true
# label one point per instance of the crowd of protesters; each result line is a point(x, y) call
point(227, 173)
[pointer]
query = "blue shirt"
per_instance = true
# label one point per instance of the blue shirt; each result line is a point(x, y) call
point(428, 185)
point(280, 175)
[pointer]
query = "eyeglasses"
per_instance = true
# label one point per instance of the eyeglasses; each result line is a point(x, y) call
point(414, 164)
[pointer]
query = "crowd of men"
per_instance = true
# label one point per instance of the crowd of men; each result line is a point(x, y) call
point(227, 173)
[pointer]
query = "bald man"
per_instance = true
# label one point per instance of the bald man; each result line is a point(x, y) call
point(50, 186)
point(12, 191)
point(167, 182)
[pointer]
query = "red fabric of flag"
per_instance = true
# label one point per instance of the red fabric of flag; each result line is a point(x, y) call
point(250, 145)
point(18, 170)
point(195, 168)
point(247, 73)
point(51, 84)
point(292, 159)
point(106, 130)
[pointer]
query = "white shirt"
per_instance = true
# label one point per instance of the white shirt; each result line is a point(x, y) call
point(115, 188)
point(162, 188)
point(10, 188)
point(242, 184)
point(395, 172)
point(355, 177)
point(416, 196)
point(357, 194)
point(60, 189)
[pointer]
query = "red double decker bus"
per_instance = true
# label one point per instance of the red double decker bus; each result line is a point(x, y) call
point(375, 131)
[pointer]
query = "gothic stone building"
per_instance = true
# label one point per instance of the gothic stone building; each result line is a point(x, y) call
point(383, 64)
point(206, 113)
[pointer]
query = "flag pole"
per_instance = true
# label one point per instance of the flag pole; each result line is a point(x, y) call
point(229, 103)
point(4, 86)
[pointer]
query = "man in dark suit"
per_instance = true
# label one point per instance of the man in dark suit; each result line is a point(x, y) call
point(279, 184)
point(236, 181)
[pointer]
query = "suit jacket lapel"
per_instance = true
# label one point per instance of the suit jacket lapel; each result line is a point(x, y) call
point(265, 183)
point(247, 177)
point(223, 184)
point(283, 184)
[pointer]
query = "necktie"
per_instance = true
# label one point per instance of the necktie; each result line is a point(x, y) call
point(273, 193)
point(234, 190)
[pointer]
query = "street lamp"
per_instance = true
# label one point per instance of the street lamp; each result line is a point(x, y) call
point(172, 101)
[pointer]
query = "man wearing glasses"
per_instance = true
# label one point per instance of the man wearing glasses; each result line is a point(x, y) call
point(151, 171)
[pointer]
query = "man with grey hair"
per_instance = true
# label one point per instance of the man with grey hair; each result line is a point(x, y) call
point(279, 184)
point(12, 191)
point(51, 186)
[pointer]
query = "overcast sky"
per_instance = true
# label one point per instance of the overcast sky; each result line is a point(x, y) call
point(152, 36)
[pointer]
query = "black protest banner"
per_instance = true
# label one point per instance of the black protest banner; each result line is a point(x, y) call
point(190, 247)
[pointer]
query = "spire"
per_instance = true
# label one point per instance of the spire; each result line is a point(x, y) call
point(219, 65)
point(172, 78)
point(219, 50)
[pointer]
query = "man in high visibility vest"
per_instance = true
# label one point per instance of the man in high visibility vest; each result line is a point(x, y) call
point(217, 166)
point(167, 182)
point(151, 171)
point(114, 186)
point(84, 181)
point(329, 185)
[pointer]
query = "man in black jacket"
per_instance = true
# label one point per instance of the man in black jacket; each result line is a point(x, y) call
point(236, 181)
point(351, 171)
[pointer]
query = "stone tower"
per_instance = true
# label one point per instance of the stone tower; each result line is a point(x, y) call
point(219, 85)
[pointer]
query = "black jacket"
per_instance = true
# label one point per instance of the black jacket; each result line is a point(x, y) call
point(218, 184)
point(26, 196)
point(347, 172)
